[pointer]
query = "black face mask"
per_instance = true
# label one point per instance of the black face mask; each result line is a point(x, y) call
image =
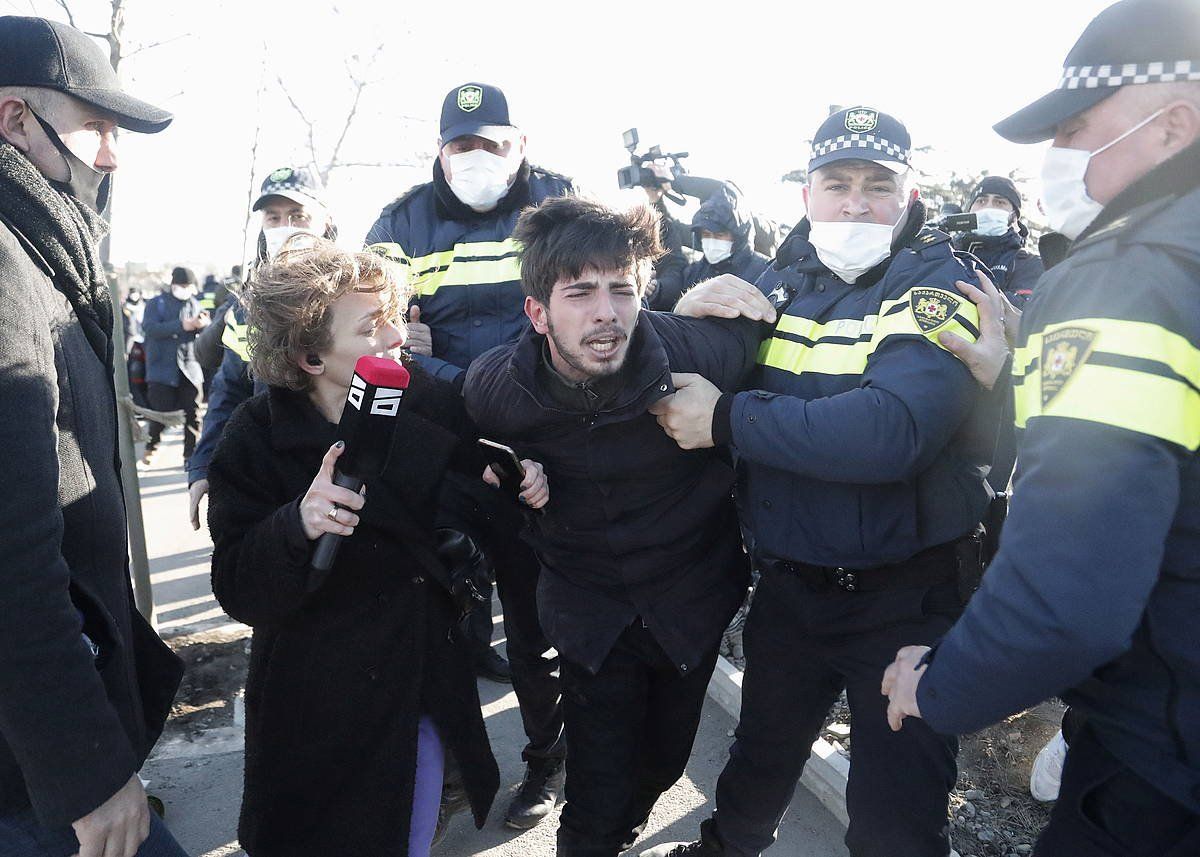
point(85, 183)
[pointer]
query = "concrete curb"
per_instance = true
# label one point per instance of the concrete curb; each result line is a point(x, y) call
point(827, 769)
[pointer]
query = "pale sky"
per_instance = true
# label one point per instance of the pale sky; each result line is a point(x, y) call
point(739, 85)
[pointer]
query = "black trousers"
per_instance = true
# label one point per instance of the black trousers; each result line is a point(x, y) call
point(630, 729)
point(1104, 809)
point(803, 647)
point(534, 664)
point(186, 398)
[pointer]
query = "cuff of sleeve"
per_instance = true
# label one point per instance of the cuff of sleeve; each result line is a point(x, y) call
point(722, 423)
point(294, 539)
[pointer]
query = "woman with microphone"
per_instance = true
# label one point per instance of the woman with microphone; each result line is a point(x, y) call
point(358, 689)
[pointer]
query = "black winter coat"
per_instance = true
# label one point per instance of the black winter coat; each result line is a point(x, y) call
point(74, 727)
point(343, 665)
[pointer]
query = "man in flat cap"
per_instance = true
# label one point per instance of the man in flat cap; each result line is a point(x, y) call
point(1095, 592)
point(85, 684)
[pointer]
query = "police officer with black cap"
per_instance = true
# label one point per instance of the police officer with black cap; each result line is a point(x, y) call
point(1096, 586)
point(863, 450)
point(454, 234)
point(998, 239)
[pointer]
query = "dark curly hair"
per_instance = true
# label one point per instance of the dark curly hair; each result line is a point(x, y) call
point(566, 235)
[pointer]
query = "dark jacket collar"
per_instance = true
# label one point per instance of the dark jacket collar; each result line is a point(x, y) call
point(450, 207)
point(1168, 181)
point(1010, 240)
point(645, 372)
point(796, 248)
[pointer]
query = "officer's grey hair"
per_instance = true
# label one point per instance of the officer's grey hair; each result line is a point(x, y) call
point(47, 102)
point(1152, 96)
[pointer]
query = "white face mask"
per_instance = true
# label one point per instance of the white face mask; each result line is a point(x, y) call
point(716, 249)
point(183, 293)
point(479, 178)
point(277, 236)
point(851, 249)
point(991, 222)
point(1069, 208)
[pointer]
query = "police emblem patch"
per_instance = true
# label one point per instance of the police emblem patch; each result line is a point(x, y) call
point(281, 175)
point(861, 119)
point(931, 308)
point(1063, 352)
point(469, 98)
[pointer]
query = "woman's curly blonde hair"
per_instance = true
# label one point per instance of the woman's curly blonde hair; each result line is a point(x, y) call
point(288, 303)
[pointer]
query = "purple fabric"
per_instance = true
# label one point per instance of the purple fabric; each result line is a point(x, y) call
point(427, 789)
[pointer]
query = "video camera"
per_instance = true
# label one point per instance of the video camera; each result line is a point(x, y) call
point(961, 222)
point(638, 175)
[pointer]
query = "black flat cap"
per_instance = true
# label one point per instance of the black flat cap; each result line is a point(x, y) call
point(1129, 43)
point(50, 54)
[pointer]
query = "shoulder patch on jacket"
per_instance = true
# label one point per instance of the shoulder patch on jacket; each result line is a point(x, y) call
point(932, 308)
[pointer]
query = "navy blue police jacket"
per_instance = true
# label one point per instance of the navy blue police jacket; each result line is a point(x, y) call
point(462, 264)
point(636, 527)
point(1015, 271)
point(863, 441)
point(1095, 592)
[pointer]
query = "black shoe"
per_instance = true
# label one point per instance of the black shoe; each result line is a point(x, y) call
point(538, 794)
point(454, 801)
point(699, 848)
point(489, 664)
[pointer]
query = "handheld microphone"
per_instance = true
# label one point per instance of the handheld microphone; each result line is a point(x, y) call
point(366, 427)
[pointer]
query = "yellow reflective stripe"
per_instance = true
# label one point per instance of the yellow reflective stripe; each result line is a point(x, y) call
point(1129, 338)
point(234, 337)
point(465, 250)
point(208, 302)
point(1125, 397)
point(829, 358)
point(468, 273)
point(850, 358)
point(466, 264)
point(390, 250)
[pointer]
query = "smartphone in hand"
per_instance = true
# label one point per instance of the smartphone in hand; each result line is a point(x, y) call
point(505, 464)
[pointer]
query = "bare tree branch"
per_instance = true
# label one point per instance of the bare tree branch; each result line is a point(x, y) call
point(152, 45)
point(360, 83)
point(312, 127)
point(66, 7)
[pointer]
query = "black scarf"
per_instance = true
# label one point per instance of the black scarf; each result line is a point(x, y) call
point(66, 234)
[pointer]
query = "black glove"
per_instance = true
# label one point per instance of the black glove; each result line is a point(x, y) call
point(470, 571)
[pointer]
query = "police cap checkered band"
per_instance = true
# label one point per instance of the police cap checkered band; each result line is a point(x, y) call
point(1125, 74)
point(1131, 42)
point(862, 141)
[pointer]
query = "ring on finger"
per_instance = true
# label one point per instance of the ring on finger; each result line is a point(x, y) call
point(332, 513)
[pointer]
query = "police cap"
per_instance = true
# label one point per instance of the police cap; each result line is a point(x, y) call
point(1131, 42)
point(861, 134)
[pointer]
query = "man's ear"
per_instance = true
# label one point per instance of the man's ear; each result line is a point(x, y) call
point(538, 316)
point(1181, 126)
point(914, 195)
point(15, 117)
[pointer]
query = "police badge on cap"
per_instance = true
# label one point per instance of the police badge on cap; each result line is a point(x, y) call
point(863, 134)
point(1129, 43)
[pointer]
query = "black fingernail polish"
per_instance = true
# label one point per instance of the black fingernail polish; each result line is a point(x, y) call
point(340, 444)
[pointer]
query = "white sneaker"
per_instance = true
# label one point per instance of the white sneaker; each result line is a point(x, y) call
point(1045, 776)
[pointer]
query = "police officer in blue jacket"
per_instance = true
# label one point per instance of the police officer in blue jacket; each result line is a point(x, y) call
point(1095, 592)
point(454, 234)
point(998, 239)
point(863, 449)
